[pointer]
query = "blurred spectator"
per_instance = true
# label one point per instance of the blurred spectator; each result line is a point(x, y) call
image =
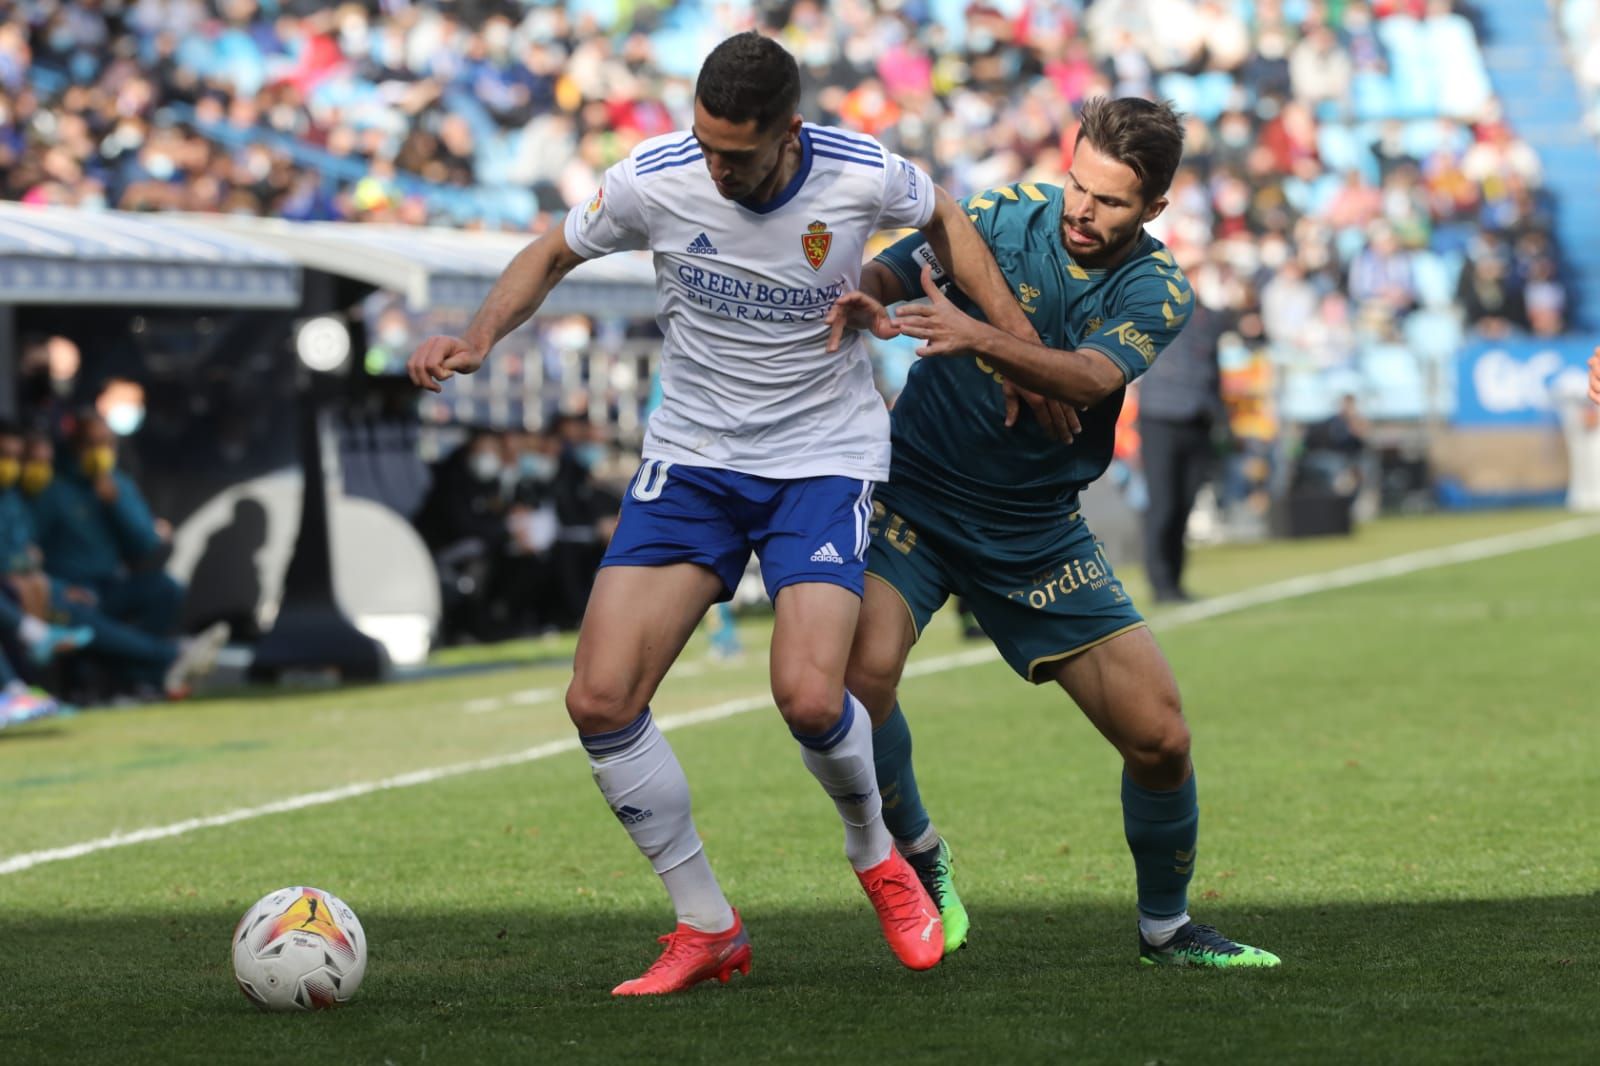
point(463, 521)
point(1489, 296)
point(133, 659)
point(1381, 275)
point(586, 512)
point(1333, 451)
point(1545, 300)
point(529, 581)
point(97, 532)
point(1180, 404)
point(24, 589)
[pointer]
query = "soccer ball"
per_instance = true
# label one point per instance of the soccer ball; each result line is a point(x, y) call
point(299, 949)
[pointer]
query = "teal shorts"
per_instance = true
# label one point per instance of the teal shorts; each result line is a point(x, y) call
point(1040, 598)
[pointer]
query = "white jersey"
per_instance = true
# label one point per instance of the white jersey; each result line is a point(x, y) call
point(746, 381)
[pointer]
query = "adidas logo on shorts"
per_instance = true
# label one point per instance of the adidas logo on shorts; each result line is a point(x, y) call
point(827, 554)
point(701, 245)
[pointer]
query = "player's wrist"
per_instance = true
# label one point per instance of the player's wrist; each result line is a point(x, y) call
point(479, 341)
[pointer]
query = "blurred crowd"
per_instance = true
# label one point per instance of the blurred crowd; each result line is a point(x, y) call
point(1345, 157)
point(517, 523)
point(87, 612)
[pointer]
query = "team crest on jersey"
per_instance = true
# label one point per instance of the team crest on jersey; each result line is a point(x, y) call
point(816, 241)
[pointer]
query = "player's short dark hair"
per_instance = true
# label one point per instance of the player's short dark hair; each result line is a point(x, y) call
point(750, 77)
point(1144, 135)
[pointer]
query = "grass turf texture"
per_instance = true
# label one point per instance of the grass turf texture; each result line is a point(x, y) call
point(1397, 789)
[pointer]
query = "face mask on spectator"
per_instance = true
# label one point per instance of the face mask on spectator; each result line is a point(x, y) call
point(98, 462)
point(536, 466)
point(36, 477)
point(589, 455)
point(485, 466)
point(10, 471)
point(125, 418)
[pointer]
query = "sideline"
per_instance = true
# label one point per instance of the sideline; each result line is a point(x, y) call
point(1277, 592)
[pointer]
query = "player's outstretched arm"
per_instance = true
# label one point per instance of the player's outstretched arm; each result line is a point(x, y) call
point(1079, 378)
point(961, 248)
point(866, 308)
point(1594, 375)
point(522, 287)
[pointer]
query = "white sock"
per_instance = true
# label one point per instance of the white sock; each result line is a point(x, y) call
point(31, 629)
point(642, 781)
point(841, 759)
point(1159, 930)
point(696, 895)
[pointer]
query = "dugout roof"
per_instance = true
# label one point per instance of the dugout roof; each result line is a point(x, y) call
point(435, 267)
point(56, 255)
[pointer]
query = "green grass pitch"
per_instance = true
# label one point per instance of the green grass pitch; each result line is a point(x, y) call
point(1399, 796)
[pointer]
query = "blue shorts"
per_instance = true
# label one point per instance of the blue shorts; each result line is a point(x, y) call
point(810, 529)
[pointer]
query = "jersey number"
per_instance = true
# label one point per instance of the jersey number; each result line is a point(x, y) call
point(897, 533)
point(650, 480)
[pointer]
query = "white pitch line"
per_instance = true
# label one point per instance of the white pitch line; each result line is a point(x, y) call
point(1277, 592)
point(526, 698)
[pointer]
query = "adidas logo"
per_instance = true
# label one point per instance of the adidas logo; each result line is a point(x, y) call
point(827, 554)
point(632, 815)
point(702, 245)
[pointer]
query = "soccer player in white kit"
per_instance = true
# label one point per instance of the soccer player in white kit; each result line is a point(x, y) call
point(757, 221)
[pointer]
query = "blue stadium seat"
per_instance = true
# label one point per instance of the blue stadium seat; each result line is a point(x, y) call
point(1435, 276)
point(1395, 384)
point(1372, 96)
point(1433, 334)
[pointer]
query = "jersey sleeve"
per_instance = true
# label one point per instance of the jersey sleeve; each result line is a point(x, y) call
point(614, 221)
point(1143, 319)
point(907, 194)
point(905, 257)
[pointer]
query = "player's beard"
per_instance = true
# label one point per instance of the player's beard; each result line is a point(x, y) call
point(744, 192)
point(1101, 250)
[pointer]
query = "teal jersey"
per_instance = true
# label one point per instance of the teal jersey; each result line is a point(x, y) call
point(16, 533)
point(951, 443)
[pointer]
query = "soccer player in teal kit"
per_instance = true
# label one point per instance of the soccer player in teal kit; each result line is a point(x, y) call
point(989, 512)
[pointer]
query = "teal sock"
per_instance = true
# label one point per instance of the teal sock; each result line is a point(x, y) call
point(903, 811)
point(1161, 828)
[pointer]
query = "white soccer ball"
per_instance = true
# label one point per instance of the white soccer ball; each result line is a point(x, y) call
point(299, 949)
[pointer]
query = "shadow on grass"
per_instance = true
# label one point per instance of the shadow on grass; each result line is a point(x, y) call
point(46, 729)
point(1483, 981)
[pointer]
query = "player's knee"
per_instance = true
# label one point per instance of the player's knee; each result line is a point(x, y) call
point(599, 707)
point(1162, 752)
point(810, 710)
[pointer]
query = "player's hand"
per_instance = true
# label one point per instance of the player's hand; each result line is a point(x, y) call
point(944, 326)
point(1594, 375)
point(105, 487)
point(1059, 419)
point(440, 359)
point(857, 310)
